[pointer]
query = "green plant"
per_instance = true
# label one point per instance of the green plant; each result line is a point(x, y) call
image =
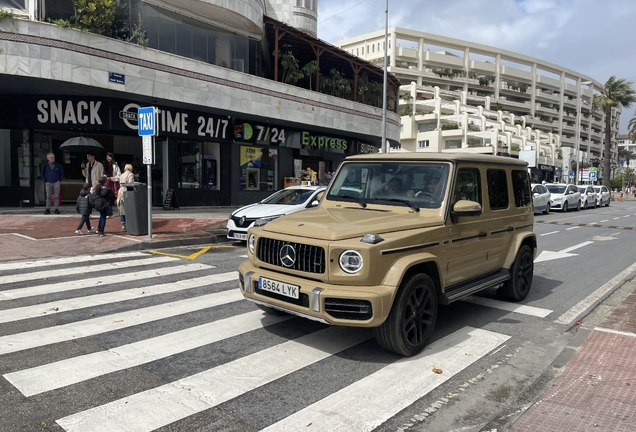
point(483, 81)
point(309, 70)
point(472, 127)
point(5, 14)
point(450, 126)
point(363, 86)
point(291, 70)
point(96, 16)
point(497, 107)
point(472, 75)
point(514, 147)
point(406, 111)
point(519, 122)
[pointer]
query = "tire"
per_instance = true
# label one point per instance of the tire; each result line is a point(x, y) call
point(578, 206)
point(564, 209)
point(271, 311)
point(412, 318)
point(517, 287)
point(583, 206)
point(594, 206)
point(607, 205)
point(547, 209)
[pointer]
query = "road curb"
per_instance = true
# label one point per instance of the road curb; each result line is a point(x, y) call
point(171, 243)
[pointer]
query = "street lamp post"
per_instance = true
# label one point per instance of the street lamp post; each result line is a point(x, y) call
point(385, 147)
point(578, 129)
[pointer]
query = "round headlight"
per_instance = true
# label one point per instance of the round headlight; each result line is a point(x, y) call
point(251, 241)
point(350, 261)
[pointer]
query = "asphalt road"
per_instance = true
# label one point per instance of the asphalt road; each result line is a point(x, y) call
point(143, 341)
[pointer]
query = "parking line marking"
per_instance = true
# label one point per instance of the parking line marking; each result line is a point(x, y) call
point(546, 234)
point(574, 227)
point(616, 218)
point(626, 216)
point(604, 220)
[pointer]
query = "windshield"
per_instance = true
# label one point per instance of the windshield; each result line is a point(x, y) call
point(556, 189)
point(597, 188)
point(289, 197)
point(414, 184)
point(582, 189)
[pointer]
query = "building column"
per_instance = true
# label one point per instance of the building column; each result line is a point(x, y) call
point(420, 57)
point(497, 75)
point(562, 102)
point(394, 50)
point(533, 95)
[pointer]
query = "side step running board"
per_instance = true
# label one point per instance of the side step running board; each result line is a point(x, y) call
point(466, 289)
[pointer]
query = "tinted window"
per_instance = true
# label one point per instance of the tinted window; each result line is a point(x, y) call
point(497, 189)
point(556, 189)
point(467, 185)
point(521, 188)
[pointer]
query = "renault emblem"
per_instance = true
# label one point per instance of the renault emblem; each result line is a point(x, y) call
point(287, 255)
point(242, 220)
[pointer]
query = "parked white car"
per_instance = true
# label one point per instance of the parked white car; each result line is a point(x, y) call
point(540, 198)
point(602, 196)
point(564, 196)
point(588, 196)
point(285, 201)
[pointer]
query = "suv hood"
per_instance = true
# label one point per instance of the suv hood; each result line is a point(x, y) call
point(344, 223)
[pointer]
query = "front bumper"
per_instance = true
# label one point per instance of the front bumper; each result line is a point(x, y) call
point(234, 232)
point(344, 305)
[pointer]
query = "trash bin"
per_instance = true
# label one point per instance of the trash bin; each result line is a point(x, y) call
point(136, 207)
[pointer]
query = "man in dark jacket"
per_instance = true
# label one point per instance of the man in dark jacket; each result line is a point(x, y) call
point(52, 174)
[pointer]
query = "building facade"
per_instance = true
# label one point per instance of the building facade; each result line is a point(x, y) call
point(549, 97)
point(231, 129)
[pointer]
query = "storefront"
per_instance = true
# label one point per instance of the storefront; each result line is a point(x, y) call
point(209, 159)
point(542, 173)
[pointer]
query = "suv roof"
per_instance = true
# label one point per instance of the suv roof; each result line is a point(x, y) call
point(456, 157)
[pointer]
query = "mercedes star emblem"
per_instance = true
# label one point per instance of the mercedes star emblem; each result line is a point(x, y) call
point(287, 255)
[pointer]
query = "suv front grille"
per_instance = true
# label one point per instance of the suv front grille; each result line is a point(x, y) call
point(358, 310)
point(309, 258)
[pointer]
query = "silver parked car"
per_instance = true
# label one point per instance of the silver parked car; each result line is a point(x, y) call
point(602, 196)
point(564, 196)
point(588, 196)
point(540, 198)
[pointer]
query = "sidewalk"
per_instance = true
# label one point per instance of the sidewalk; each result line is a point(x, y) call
point(26, 233)
point(596, 390)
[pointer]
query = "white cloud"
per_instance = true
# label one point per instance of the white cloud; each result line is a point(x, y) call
point(592, 37)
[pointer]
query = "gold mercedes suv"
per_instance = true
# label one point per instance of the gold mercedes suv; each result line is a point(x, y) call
point(394, 236)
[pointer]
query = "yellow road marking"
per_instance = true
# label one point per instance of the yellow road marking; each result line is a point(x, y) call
point(192, 256)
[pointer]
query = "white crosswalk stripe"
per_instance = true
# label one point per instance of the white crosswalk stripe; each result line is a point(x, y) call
point(92, 268)
point(135, 333)
point(97, 281)
point(66, 305)
point(53, 262)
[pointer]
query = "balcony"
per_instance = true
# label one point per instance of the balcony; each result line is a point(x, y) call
point(482, 67)
point(443, 60)
point(550, 83)
point(516, 74)
point(404, 53)
point(547, 96)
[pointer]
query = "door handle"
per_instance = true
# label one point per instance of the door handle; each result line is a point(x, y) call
point(483, 234)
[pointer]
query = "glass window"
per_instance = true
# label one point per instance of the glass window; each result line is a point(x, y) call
point(259, 168)
point(556, 189)
point(521, 188)
point(290, 196)
point(467, 185)
point(421, 184)
point(190, 165)
point(497, 189)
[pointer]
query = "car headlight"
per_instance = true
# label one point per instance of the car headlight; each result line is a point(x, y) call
point(556, 199)
point(262, 221)
point(350, 261)
point(251, 242)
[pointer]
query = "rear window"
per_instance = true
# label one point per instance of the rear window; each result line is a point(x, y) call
point(521, 188)
point(556, 189)
point(497, 189)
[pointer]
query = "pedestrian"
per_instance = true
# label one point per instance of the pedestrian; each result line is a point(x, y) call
point(108, 195)
point(83, 207)
point(93, 170)
point(97, 201)
point(112, 173)
point(125, 178)
point(52, 174)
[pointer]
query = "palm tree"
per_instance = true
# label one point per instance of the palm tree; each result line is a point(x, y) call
point(632, 128)
point(616, 93)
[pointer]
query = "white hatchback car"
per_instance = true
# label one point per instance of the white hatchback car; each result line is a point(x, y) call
point(588, 196)
point(285, 201)
point(540, 198)
point(602, 196)
point(564, 196)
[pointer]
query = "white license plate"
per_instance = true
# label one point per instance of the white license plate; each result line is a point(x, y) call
point(281, 288)
point(240, 236)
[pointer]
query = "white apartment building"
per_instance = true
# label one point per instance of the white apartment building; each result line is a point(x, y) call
point(624, 142)
point(549, 96)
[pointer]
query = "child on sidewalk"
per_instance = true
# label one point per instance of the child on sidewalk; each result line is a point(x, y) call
point(83, 207)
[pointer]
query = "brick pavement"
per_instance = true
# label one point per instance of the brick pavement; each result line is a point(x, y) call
point(28, 236)
point(597, 389)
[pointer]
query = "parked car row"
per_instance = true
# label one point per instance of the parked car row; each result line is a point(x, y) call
point(560, 196)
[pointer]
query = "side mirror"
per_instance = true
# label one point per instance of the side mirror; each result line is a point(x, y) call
point(314, 203)
point(535, 194)
point(465, 208)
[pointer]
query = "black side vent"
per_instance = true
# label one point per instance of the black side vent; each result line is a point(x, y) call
point(358, 310)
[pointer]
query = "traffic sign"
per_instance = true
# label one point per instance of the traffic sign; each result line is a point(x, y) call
point(146, 121)
point(592, 175)
point(571, 174)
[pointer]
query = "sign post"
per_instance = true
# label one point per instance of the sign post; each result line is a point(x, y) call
point(147, 129)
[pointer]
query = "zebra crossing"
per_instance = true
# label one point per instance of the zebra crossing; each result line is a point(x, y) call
point(187, 325)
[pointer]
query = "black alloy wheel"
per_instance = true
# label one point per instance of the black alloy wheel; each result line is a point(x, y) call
point(410, 323)
point(517, 287)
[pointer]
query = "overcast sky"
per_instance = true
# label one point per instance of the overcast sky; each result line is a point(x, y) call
point(593, 37)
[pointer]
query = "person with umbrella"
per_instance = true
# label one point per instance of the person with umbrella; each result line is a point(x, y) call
point(52, 174)
point(93, 171)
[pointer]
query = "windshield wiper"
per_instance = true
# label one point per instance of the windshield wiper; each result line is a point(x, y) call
point(356, 199)
point(407, 202)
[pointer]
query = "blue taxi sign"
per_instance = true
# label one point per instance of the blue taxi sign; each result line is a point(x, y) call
point(146, 121)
